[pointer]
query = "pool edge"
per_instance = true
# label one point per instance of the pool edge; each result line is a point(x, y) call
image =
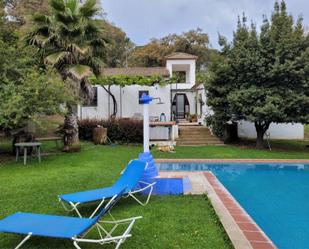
point(238, 224)
point(184, 160)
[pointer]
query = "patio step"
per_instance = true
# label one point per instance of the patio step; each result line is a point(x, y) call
point(196, 136)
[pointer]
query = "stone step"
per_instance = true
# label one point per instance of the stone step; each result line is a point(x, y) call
point(195, 135)
point(195, 132)
point(197, 138)
point(211, 139)
point(197, 144)
point(197, 126)
point(192, 135)
point(186, 124)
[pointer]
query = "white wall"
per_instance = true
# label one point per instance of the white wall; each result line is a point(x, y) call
point(277, 131)
point(129, 104)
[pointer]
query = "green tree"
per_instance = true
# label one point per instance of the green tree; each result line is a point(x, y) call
point(263, 78)
point(119, 46)
point(39, 94)
point(194, 42)
point(71, 40)
point(26, 90)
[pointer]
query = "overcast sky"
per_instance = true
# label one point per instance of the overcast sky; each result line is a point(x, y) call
point(146, 19)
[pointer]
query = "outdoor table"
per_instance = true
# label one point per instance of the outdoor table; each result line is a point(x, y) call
point(25, 146)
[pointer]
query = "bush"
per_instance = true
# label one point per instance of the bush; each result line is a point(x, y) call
point(120, 130)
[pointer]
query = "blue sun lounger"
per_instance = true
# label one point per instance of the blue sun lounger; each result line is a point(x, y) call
point(130, 178)
point(72, 228)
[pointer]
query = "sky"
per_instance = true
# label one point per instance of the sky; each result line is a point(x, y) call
point(146, 19)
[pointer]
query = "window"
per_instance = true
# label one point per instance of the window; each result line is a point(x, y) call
point(94, 101)
point(140, 93)
point(180, 76)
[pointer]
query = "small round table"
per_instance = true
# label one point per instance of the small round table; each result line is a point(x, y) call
point(25, 146)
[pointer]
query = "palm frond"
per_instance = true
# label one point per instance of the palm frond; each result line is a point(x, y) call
point(89, 9)
point(79, 72)
point(72, 5)
point(80, 49)
point(39, 40)
point(57, 5)
point(58, 57)
point(41, 19)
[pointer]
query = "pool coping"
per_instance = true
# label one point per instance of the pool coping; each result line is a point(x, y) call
point(217, 160)
point(238, 224)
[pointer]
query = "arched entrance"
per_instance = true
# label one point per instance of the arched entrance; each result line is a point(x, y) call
point(180, 106)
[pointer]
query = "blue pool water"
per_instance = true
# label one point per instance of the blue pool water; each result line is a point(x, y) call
point(275, 195)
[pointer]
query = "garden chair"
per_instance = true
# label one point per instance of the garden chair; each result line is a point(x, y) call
point(72, 228)
point(130, 178)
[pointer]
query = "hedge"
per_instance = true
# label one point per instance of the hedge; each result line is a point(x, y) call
point(120, 130)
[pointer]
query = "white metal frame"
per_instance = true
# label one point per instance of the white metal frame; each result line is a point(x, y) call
point(105, 236)
point(23, 241)
point(148, 185)
point(74, 206)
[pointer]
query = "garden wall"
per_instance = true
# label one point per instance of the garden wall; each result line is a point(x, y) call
point(277, 131)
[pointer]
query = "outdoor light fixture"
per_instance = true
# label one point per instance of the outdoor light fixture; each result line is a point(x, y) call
point(160, 101)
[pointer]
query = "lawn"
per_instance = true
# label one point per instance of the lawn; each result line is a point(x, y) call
point(245, 150)
point(169, 221)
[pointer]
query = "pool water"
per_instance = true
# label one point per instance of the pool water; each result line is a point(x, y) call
point(275, 195)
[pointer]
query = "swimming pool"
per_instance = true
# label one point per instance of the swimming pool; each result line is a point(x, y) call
point(275, 195)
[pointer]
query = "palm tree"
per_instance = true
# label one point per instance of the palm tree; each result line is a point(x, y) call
point(71, 40)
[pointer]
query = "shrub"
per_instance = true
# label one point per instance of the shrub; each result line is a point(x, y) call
point(120, 130)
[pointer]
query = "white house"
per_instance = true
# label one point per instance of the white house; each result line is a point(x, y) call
point(178, 100)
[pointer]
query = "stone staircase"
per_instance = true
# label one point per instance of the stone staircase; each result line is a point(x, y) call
point(196, 135)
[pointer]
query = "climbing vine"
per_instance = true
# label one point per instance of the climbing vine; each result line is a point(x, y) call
point(126, 80)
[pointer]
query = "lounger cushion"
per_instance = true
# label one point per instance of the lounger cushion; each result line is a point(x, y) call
point(45, 225)
point(129, 180)
point(90, 195)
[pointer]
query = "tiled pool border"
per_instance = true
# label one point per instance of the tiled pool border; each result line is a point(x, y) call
point(240, 227)
point(232, 160)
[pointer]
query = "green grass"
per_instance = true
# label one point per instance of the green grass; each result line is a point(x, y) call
point(245, 150)
point(169, 221)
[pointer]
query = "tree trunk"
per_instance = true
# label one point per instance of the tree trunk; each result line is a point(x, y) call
point(260, 138)
point(70, 130)
point(114, 100)
point(261, 128)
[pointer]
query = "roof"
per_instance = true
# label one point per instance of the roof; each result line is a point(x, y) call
point(197, 86)
point(133, 71)
point(181, 56)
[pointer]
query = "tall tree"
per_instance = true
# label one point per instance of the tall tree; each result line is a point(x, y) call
point(119, 47)
point(263, 78)
point(194, 42)
point(26, 91)
point(70, 40)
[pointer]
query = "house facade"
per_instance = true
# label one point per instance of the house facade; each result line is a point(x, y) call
point(178, 100)
point(182, 102)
